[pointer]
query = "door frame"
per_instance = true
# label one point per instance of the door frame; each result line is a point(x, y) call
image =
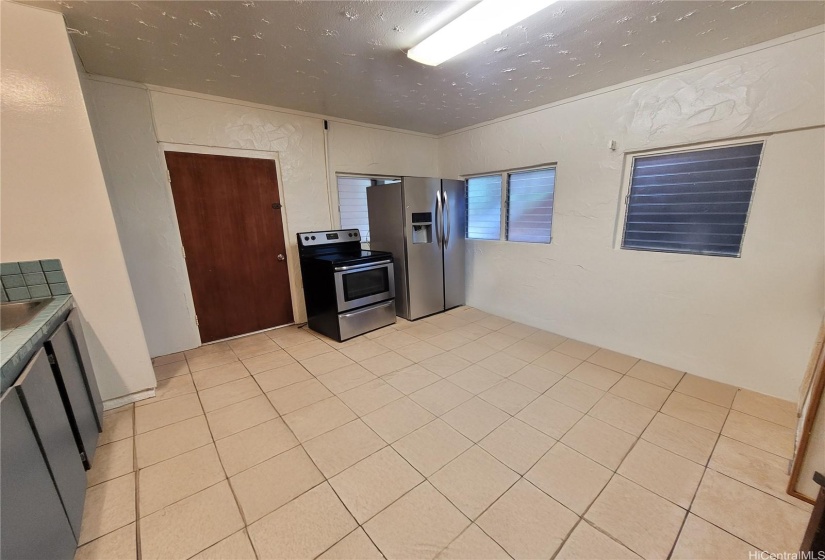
point(335, 202)
point(291, 247)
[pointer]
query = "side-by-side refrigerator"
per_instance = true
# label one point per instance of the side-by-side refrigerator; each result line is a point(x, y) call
point(421, 220)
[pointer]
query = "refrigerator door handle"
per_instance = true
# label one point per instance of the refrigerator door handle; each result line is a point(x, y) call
point(439, 218)
point(448, 221)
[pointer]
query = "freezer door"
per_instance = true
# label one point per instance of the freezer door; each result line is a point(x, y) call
point(455, 217)
point(385, 206)
point(423, 233)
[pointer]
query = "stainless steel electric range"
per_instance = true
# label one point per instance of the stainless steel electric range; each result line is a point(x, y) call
point(348, 291)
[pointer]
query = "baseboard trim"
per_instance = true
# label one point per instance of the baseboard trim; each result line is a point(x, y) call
point(128, 399)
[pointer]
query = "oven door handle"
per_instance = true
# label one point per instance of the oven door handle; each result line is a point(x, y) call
point(362, 266)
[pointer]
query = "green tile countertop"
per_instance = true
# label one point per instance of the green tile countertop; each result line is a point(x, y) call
point(17, 346)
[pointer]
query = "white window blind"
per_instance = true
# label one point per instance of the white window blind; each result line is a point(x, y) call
point(484, 207)
point(691, 202)
point(530, 205)
point(352, 204)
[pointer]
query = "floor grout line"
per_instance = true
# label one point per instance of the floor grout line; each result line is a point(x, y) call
point(226, 477)
point(138, 545)
point(520, 476)
point(358, 417)
point(220, 461)
point(614, 473)
point(325, 480)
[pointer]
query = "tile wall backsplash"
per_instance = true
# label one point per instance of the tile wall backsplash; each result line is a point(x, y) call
point(32, 280)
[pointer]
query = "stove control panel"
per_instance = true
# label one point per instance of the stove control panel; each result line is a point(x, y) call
point(314, 238)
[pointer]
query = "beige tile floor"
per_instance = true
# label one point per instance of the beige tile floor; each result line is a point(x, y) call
point(463, 435)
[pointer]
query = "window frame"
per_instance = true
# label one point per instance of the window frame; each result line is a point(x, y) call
point(467, 208)
point(627, 179)
point(336, 204)
point(505, 201)
point(506, 213)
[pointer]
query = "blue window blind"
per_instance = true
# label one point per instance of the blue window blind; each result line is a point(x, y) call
point(692, 202)
point(484, 207)
point(530, 205)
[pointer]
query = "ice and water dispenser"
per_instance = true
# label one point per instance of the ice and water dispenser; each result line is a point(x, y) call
point(422, 227)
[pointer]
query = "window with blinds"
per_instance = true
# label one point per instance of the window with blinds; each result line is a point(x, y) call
point(352, 203)
point(691, 202)
point(530, 205)
point(484, 207)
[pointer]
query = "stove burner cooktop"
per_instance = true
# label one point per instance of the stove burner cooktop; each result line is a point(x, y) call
point(352, 257)
point(337, 247)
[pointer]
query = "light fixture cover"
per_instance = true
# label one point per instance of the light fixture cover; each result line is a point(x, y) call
point(480, 22)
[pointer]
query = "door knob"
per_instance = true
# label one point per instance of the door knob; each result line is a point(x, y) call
point(281, 257)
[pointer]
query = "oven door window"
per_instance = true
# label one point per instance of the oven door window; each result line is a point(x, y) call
point(365, 283)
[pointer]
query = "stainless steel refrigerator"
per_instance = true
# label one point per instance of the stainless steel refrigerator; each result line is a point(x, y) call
point(421, 220)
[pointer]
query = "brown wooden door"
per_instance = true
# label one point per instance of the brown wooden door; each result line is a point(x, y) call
point(232, 236)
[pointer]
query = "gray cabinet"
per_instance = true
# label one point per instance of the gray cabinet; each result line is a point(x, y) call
point(34, 524)
point(75, 321)
point(51, 420)
point(38, 392)
point(72, 383)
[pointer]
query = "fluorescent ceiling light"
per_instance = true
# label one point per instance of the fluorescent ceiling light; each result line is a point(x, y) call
point(480, 22)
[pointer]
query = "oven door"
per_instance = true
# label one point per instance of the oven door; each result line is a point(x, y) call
point(363, 284)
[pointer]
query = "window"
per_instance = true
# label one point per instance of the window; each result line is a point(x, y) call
point(484, 207)
point(691, 202)
point(530, 205)
point(352, 203)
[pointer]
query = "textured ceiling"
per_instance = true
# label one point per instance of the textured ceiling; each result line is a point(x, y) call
point(347, 59)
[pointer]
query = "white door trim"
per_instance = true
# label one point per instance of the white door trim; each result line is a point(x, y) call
point(292, 256)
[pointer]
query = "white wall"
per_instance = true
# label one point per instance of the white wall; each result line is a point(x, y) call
point(54, 201)
point(370, 151)
point(359, 149)
point(145, 218)
point(142, 200)
point(749, 321)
